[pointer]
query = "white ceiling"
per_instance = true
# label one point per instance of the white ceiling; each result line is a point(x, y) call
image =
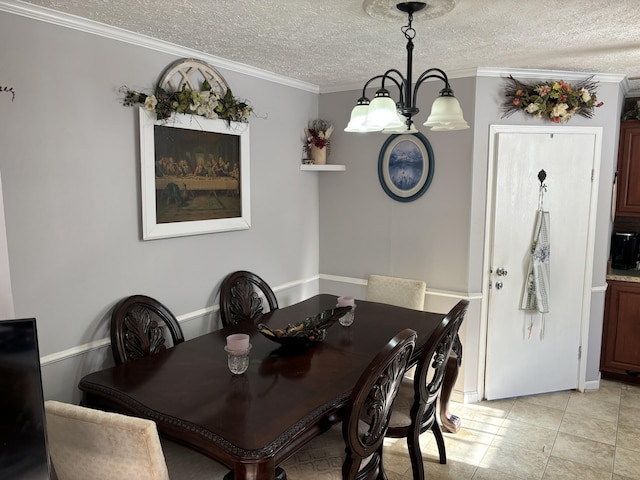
point(333, 43)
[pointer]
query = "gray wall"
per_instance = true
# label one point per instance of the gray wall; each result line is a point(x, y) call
point(440, 237)
point(363, 231)
point(71, 191)
point(71, 187)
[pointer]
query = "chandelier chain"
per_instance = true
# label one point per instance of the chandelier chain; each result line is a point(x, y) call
point(408, 30)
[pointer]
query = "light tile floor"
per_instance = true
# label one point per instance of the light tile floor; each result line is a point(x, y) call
point(558, 436)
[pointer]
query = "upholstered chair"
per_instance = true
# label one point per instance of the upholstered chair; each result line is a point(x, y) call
point(400, 292)
point(85, 443)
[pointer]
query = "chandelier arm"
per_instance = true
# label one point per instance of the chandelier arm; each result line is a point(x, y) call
point(383, 76)
point(399, 84)
point(386, 75)
point(366, 85)
point(428, 74)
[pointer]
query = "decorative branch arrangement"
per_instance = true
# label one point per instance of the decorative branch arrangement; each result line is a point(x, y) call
point(9, 90)
point(633, 114)
point(557, 101)
point(207, 102)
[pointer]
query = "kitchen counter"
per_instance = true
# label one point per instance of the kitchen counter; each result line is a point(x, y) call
point(624, 275)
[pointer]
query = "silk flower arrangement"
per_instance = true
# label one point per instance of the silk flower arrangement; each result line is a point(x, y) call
point(207, 102)
point(556, 101)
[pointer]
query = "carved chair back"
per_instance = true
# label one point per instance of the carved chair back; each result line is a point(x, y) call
point(415, 410)
point(369, 407)
point(240, 298)
point(138, 327)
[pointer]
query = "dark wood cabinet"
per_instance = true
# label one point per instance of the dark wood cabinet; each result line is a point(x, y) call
point(628, 201)
point(620, 357)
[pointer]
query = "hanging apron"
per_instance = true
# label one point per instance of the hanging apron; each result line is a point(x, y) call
point(535, 297)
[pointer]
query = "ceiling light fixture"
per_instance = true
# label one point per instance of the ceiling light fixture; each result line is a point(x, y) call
point(385, 115)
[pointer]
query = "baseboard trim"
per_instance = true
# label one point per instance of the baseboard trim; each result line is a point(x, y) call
point(106, 342)
point(182, 319)
point(428, 291)
point(203, 312)
point(459, 396)
point(592, 385)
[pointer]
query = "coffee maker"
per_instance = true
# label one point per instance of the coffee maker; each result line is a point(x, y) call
point(624, 250)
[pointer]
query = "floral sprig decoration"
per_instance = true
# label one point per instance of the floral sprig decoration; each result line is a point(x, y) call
point(207, 102)
point(633, 114)
point(557, 101)
point(317, 134)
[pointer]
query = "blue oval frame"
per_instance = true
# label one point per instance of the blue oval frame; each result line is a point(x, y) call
point(422, 184)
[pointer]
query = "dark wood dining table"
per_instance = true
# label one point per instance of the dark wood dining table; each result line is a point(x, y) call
point(252, 422)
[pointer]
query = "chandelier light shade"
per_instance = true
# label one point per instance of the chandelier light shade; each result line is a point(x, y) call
point(383, 114)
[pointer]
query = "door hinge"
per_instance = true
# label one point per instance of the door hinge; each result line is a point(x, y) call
point(593, 172)
point(579, 352)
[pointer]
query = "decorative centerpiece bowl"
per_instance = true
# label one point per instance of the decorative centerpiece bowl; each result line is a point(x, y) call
point(311, 330)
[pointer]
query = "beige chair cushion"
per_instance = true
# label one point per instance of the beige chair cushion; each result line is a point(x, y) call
point(400, 292)
point(401, 413)
point(186, 464)
point(321, 459)
point(90, 444)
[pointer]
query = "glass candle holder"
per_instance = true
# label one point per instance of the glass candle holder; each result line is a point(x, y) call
point(347, 319)
point(238, 360)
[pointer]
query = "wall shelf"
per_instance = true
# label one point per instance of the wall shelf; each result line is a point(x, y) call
point(323, 168)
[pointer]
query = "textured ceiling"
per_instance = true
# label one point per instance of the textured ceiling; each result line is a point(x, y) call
point(332, 43)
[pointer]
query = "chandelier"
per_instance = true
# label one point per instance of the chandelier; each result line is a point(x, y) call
point(382, 114)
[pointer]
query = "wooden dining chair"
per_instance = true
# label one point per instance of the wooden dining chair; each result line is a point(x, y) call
point(138, 326)
point(240, 298)
point(354, 451)
point(401, 292)
point(415, 409)
point(407, 293)
point(89, 444)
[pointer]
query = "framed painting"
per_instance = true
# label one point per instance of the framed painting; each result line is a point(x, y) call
point(405, 166)
point(194, 174)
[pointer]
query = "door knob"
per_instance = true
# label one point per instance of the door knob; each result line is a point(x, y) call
point(501, 272)
point(498, 285)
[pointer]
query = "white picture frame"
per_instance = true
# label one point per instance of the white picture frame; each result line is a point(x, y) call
point(194, 175)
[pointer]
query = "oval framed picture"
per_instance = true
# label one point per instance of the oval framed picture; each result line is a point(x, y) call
point(405, 166)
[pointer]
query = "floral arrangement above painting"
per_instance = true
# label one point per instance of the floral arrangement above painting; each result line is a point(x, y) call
point(556, 101)
point(207, 102)
point(317, 141)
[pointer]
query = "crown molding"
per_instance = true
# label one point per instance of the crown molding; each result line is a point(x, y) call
point(345, 87)
point(96, 28)
point(543, 74)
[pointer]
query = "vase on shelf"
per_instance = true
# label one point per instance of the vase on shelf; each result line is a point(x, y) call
point(318, 155)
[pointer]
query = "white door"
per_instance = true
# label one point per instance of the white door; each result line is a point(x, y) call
point(530, 353)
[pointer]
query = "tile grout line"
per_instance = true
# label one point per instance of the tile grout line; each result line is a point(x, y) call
point(555, 438)
point(615, 448)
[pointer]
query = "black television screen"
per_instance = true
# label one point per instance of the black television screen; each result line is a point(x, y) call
point(23, 441)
